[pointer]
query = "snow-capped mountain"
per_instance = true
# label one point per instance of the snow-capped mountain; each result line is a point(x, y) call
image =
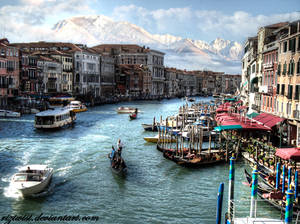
point(219, 55)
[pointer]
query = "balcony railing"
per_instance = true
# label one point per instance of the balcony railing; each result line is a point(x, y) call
point(296, 114)
point(268, 65)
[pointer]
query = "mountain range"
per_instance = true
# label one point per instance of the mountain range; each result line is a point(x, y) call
point(183, 53)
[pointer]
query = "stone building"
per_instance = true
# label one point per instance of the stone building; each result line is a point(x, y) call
point(288, 81)
point(149, 59)
point(49, 70)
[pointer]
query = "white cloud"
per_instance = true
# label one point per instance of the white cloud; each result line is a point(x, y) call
point(28, 20)
point(199, 24)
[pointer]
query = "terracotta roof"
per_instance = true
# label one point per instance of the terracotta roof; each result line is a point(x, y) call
point(122, 48)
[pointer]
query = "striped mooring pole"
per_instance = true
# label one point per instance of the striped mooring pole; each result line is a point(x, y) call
point(283, 179)
point(289, 177)
point(231, 189)
point(277, 175)
point(288, 219)
point(296, 184)
point(254, 193)
point(220, 203)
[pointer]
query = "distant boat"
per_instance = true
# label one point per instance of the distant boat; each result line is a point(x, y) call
point(32, 179)
point(132, 116)
point(150, 127)
point(76, 106)
point(57, 118)
point(8, 113)
point(127, 110)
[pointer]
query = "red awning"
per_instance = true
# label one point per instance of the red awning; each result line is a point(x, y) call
point(237, 119)
point(268, 120)
point(289, 154)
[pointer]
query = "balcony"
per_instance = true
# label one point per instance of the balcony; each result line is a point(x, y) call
point(268, 65)
point(296, 114)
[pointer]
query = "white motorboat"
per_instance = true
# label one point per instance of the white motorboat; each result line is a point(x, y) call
point(8, 113)
point(76, 106)
point(32, 179)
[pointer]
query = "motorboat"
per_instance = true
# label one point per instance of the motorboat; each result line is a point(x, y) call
point(57, 118)
point(127, 110)
point(150, 127)
point(8, 113)
point(76, 106)
point(32, 179)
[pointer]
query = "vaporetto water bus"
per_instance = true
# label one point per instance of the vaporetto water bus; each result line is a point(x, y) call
point(56, 118)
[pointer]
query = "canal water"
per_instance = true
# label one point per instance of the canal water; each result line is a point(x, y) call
point(155, 190)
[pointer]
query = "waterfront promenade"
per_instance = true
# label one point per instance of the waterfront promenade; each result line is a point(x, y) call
point(154, 191)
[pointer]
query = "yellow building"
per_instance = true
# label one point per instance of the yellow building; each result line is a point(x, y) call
point(288, 79)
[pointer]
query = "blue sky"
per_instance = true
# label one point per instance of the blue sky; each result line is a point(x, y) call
point(26, 20)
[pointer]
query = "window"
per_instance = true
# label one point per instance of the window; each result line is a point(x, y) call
point(278, 88)
point(282, 89)
point(297, 92)
point(298, 65)
point(290, 91)
point(285, 46)
point(278, 69)
point(292, 44)
point(284, 69)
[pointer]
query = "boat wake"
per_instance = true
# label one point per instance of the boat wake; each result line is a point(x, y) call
point(11, 192)
point(17, 120)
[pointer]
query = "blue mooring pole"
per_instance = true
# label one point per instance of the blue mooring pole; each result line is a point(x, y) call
point(220, 203)
point(277, 175)
point(231, 189)
point(296, 184)
point(289, 177)
point(254, 193)
point(283, 179)
point(288, 218)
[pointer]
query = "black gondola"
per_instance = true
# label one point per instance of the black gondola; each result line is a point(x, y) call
point(132, 116)
point(117, 164)
point(270, 195)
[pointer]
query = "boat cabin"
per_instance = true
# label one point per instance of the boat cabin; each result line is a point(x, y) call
point(54, 118)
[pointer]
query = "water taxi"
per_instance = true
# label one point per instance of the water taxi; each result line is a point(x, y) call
point(76, 106)
point(32, 179)
point(8, 113)
point(57, 118)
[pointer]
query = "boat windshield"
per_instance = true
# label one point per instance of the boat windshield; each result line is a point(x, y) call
point(28, 177)
point(20, 177)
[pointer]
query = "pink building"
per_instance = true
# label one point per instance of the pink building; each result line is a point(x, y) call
point(9, 72)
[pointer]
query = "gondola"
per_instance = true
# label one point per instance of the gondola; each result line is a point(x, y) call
point(273, 197)
point(195, 162)
point(132, 116)
point(118, 165)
